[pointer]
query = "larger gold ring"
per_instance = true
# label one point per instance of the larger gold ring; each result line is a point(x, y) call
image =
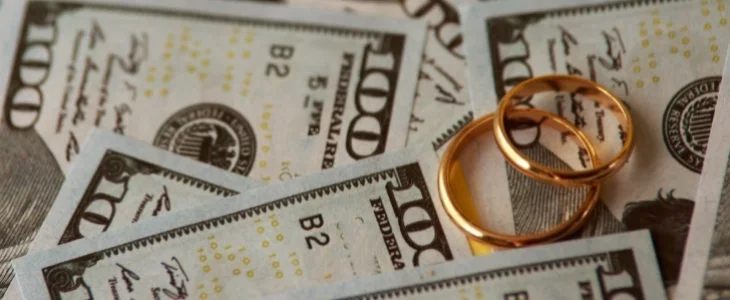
point(485, 124)
point(571, 84)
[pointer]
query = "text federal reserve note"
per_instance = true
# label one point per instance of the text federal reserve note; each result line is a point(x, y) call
point(441, 105)
point(118, 181)
point(620, 266)
point(662, 58)
point(376, 216)
point(249, 88)
point(706, 264)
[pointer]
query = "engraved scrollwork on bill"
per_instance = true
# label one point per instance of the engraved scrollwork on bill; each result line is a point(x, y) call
point(116, 169)
point(83, 65)
point(211, 133)
point(687, 121)
point(68, 277)
point(616, 272)
point(404, 186)
point(633, 50)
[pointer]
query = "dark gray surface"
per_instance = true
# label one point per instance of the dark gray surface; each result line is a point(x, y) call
point(29, 181)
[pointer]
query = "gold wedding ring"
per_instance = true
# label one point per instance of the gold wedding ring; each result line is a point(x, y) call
point(485, 124)
point(570, 84)
point(509, 110)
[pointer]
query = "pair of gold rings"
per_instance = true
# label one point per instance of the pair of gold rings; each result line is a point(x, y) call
point(496, 122)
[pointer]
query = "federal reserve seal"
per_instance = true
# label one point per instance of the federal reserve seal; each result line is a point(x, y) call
point(211, 133)
point(687, 120)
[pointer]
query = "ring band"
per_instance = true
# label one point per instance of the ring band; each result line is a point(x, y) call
point(571, 84)
point(485, 124)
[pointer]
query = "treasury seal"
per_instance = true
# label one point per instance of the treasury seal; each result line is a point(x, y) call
point(687, 120)
point(210, 133)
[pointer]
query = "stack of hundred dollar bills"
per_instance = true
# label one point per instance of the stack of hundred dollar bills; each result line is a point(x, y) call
point(288, 149)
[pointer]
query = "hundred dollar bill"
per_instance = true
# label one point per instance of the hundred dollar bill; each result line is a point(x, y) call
point(662, 58)
point(118, 181)
point(249, 88)
point(441, 105)
point(621, 266)
point(706, 263)
point(376, 216)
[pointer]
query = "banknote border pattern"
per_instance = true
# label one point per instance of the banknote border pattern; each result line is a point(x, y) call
point(44, 12)
point(617, 260)
point(446, 136)
point(513, 25)
point(66, 276)
point(117, 167)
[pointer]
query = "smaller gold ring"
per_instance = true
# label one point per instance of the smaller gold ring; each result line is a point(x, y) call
point(485, 124)
point(571, 84)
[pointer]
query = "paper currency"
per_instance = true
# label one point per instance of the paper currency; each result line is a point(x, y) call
point(663, 59)
point(442, 105)
point(119, 181)
point(705, 268)
point(609, 267)
point(246, 87)
point(376, 216)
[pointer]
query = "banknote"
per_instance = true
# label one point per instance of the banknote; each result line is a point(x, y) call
point(662, 58)
point(378, 215)
point(705, 268)
point(441, 106)
point(620, 266)
point(202, 79)
point(120, 181)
